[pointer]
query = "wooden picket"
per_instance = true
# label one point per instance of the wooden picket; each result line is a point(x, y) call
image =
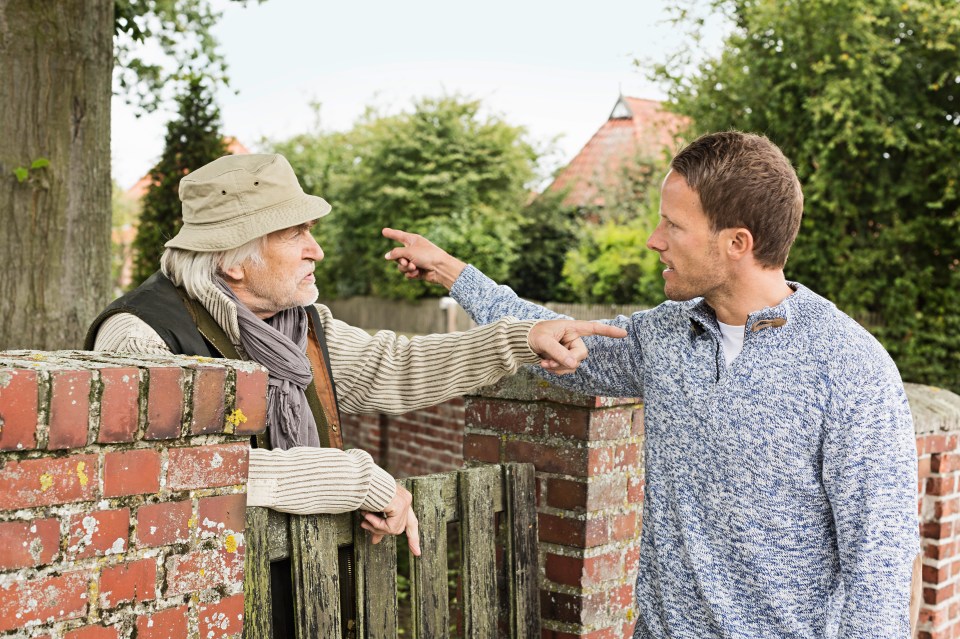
point(472, 497)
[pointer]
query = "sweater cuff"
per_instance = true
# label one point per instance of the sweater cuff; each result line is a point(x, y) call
point(306, 480)
point(383, 487)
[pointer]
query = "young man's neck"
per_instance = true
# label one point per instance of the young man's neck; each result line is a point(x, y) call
point(749, 293)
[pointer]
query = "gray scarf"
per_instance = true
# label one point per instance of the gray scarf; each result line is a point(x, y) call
point(280, 344)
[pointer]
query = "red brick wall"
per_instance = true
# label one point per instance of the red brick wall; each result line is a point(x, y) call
point(416, 443)
point(588, 455)
point(937, 419)
point(122, 495)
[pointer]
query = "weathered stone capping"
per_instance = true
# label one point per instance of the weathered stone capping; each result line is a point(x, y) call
point(123, 494)
point(588, 452)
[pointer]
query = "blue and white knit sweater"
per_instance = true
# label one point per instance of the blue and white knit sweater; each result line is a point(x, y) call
point(780, 493)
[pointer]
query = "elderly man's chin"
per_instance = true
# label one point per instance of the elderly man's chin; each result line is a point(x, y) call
point(311, 296)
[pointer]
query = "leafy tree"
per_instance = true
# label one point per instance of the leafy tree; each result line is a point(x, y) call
point(441, 170)
point(55, 90)
point(864, 97)
point(612, 265)
point(547, 230)
point(193, 139)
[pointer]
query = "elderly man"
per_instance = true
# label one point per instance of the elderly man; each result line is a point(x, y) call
point(780, 459)
point(238, 281)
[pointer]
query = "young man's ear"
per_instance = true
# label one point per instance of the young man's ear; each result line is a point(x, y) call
point(739, 243)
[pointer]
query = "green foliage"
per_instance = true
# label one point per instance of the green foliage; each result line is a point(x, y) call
point(547, 231)
point(22, 172)
point(612, 265)
point(180, 32)
point(864, 97)
point(441, 170)
point(192, 140)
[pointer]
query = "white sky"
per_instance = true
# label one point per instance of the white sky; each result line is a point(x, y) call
point(554, 67)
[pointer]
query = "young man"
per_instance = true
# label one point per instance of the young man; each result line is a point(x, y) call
point(237, 281)
point(780, 454)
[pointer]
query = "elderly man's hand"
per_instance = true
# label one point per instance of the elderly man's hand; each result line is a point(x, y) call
point(421, 259)
point(558, 342)
point(397, 517)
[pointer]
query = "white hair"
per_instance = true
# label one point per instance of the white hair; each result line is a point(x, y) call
point(194, 270)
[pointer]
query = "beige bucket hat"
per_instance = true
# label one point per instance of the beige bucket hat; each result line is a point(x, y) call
point(238, 198)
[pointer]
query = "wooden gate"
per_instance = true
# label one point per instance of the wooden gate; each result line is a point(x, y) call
point(471, 497)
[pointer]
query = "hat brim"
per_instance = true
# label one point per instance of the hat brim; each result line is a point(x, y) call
point(237, 231)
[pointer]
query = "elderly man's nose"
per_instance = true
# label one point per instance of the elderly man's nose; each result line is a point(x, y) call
point(313, 251)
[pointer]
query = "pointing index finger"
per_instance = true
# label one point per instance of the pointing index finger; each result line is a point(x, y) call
point(397, 236)
point(596, 328)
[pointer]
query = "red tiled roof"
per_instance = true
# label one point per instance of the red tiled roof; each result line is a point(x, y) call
point(138, 190)
point(640, 129)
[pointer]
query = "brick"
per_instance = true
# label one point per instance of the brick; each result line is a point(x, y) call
point(104, 532)
point(120, 405)
point(46, 599)
point(164, 403)
point(513, 417)
point(252, 401)
point(567, 460)
point(923, 467)
point(209, 388)
point(25, 544)
point(948, 462)
point(624, 527)
point(93, 632)
point(224, 618)
point(936, 529)
point(484, 448)
point(936, 444)
point(44, 482)
point(128, 582)
point(603, 568)
point(563, 570)
point(610, 423)
point(69, 409)
point(567, 494)
point(203, 569)
point(207, 466)
point(945, 508)
point(610, 458)
point(222, 514)
point(940, 551)
point(164, 524)
point(585, 609)
point(131, 472)
point(933, 575)
point(578, 532)
point(165, 624)
point(941, 593)
point(18, 409)
point(635, 490)
point(637, 425)
point(941, 486)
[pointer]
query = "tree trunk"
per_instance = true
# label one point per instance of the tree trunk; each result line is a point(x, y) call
point(55, 89)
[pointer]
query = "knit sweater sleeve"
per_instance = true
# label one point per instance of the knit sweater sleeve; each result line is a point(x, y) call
point(870, 478)
point(390, 373)
point(127, 333)
point(613, 368)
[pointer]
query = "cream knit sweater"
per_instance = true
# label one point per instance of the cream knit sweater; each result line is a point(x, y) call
point(385, 373)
